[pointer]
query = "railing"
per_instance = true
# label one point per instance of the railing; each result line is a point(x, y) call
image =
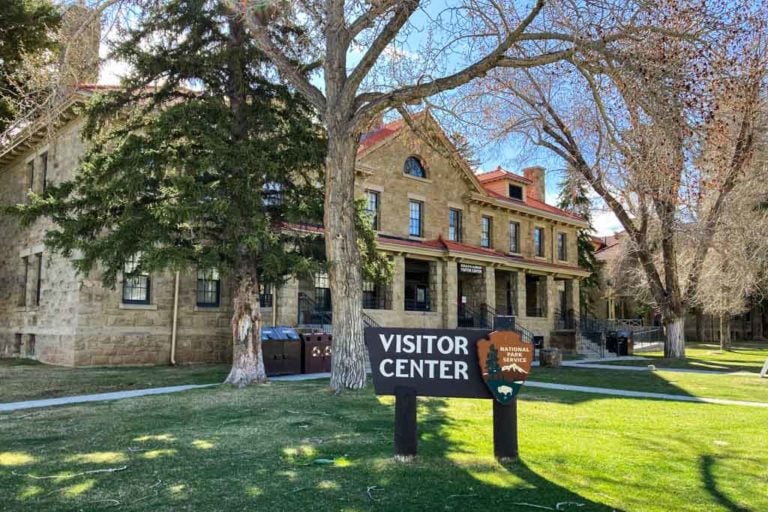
point(468, 317)
point(415, 305)
point(309, 314)
point(374, 302)
point(565, 319)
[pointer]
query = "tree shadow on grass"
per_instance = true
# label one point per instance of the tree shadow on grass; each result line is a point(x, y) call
point(707, 463)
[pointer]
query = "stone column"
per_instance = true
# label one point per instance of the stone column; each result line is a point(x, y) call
point(450, 293)
point(489, 274)
point(398, 283)
point(550, 297)
point(575, 297)
point(521, 293)
point(436, 285)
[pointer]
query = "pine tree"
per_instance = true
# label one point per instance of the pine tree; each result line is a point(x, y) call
point(574, 198)
point(492, 363)
point(198, 161)
point(27, 27)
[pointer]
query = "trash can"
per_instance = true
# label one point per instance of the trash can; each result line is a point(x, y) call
point(622, 343)
point(281, 350)
point(611, 342)
point(315, 353)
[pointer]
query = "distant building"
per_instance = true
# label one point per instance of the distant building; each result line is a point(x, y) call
point(465, 246)
point(616, 299)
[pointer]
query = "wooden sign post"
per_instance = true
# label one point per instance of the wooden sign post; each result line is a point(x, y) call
point(461, 363)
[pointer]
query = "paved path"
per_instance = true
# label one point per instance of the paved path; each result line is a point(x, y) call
point(642, 394)
point(600, 364)
point(119, 395)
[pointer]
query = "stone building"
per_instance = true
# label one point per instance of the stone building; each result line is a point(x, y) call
point(465, 246)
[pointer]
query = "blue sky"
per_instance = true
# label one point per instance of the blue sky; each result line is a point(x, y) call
point(509, 154)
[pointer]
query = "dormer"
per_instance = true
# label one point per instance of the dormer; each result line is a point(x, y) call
point(505, 183)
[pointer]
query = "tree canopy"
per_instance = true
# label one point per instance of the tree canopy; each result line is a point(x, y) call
point(27, 27)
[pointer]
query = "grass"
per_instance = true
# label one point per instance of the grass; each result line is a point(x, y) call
point(294, 446)
point(744, 356)
point(23, 379)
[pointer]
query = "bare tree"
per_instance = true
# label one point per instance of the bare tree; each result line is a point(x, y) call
point(375, 55)
point(633, 122)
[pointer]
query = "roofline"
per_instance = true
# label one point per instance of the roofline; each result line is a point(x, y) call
point(530, 210)
point(498, 261)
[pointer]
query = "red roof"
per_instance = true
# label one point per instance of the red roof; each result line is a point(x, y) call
point(536, 204)
point(500, 174)
point(372, 138)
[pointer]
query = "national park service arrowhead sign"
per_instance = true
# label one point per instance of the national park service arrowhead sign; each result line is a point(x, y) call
point(505, 362)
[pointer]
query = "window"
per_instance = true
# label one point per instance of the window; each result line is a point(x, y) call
point(486, 231)
point(272, 194)
point(374, 295)
point(265, 295)
point(562, 247)
point(417, 289)
point(39, 280)
point(24, 281)
point(414, 167)
point(415, 218)
point(514, 237)
point(372, 206)
point(44, 168)
point(322, 292)
point(454, 225)
point(538, 242)
point(208, 288)
point(136, 284)
point(30, 179)
point(516, 192)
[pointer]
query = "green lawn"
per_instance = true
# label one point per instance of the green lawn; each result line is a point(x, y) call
point(294, 446)
point(745, 356)
point(22, 379)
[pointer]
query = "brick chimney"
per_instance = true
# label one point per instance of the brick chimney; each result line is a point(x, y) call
point(79, 39)
point(536, 176)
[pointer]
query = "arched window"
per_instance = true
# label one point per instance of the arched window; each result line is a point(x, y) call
point(414, 167)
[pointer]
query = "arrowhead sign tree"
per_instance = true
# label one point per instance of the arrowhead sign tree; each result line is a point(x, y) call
point(376, 55)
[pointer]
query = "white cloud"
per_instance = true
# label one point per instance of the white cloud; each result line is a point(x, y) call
point(605, 223)
point(112, 71)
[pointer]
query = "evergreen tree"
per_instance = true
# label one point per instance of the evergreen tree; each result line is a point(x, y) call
point(26, 27)
point(198, 161)
point(492, 363)
point(574, 198)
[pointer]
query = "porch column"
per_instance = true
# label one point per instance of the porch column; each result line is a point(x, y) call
point(550, 296)
point(436, 285)
point(572, 296)
point(286, 300)
point(398, 283)
point(450, 293)
point(489, 275)
point(521, 293)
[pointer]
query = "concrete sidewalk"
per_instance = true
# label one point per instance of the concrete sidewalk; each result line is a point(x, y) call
point(642, 394)
point(120, 395)
point(602, 364)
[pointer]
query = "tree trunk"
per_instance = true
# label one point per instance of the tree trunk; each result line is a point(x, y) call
point(699, 326)
point(725, 331)
point(674, 326)
point(343, 254)
point(757, 322)
point(247, 359)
